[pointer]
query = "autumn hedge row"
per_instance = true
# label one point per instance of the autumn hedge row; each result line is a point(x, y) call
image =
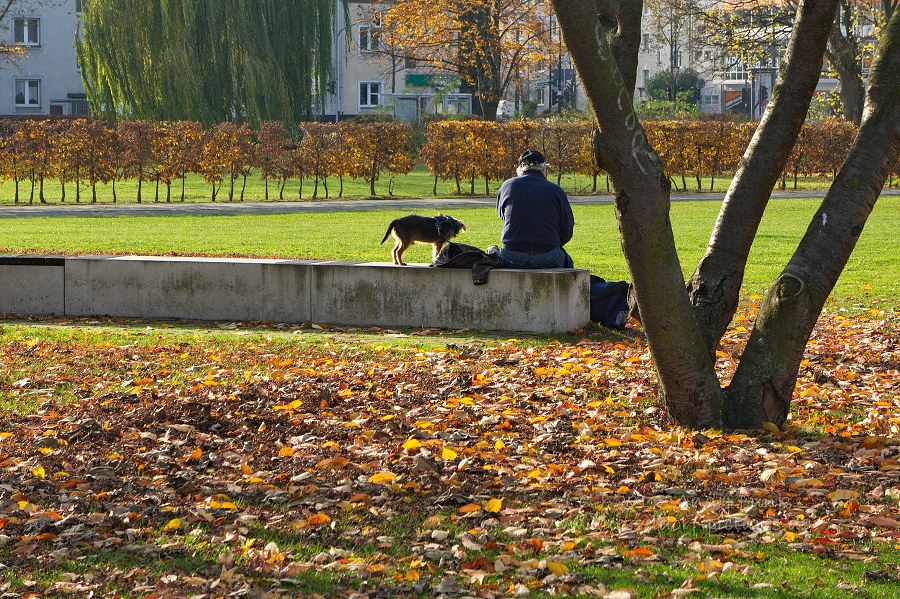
point(87, 151)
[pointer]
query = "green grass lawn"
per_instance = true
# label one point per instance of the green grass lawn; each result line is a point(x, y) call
point(419, 183)
point(869, 276)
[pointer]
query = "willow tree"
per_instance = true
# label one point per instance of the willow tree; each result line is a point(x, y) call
point(205, 60)
point(684, 322)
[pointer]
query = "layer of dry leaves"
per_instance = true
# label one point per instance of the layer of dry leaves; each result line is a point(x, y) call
point(489, 470)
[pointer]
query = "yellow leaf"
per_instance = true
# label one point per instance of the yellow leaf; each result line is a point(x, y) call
point(5, 435)
point(412, 444)
point(448, 454)
point(291, 406)
point(469, 508)
point(771, 427)
point(499, 445)
point(383, 478)
point(286, 452)
point(843, 495)
point(318, 520)
point(494, 505)
point(173, 524)
point(557, 568)
point(245, 469)
point(39, 472)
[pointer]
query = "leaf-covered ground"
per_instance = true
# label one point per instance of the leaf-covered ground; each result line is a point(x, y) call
point(357, 467)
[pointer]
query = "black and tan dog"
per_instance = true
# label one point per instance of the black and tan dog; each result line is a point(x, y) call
point(436, 230)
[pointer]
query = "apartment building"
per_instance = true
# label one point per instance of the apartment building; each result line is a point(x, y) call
point(47, 79)
point(367, 80)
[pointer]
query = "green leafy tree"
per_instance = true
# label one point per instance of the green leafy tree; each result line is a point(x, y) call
point(688, 84)
point(205, 60)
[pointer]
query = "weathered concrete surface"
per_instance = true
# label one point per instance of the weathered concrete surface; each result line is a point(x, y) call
point(190, 288)
point(292, 291)
point(380, 294)
point(32, 285)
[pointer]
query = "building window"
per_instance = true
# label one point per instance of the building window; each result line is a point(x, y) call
point(736, 70)
point(27, 31)
point(369, 94)
point(645, 77)
point(645, 46)
point(28, 93)
point(369, 36)
point(77, 5)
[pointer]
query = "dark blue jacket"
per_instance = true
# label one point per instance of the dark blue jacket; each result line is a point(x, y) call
point(535, 212)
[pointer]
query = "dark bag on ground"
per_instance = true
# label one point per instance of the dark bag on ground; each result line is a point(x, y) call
point(460, 255)
point(610, 302)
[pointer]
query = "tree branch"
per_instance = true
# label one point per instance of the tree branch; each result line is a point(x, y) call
point(764, 381)
point(715, 286)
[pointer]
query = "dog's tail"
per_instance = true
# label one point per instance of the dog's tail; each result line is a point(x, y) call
point(388, 234)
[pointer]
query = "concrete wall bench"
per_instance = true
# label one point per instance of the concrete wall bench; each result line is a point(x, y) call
point(294, 291)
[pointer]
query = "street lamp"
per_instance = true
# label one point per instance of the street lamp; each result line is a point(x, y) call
point(338, 73)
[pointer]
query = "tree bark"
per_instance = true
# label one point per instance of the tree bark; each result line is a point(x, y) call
point(687, 380)
point(715, 286)
point(764, 381)
point(843, 53)
point(622, 21)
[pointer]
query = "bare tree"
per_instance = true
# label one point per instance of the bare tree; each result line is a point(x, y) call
point(683, 330)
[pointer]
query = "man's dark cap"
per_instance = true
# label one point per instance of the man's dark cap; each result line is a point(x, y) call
point(531, 157)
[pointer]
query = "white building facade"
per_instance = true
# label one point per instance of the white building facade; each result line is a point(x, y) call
point(47, 79)
point(366, 80)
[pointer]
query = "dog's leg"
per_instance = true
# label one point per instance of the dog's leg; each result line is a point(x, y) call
point(398, 253)
point(436, 249)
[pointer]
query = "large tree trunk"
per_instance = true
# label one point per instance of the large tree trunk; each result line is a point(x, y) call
point(681, 344)
point(687, 379)
point(764, 382)
point(715, 285)
point(843, 53)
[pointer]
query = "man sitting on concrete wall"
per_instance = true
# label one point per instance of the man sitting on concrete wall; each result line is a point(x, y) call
point(537, 218)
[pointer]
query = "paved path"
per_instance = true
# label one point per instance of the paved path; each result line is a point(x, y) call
point(226, 208)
